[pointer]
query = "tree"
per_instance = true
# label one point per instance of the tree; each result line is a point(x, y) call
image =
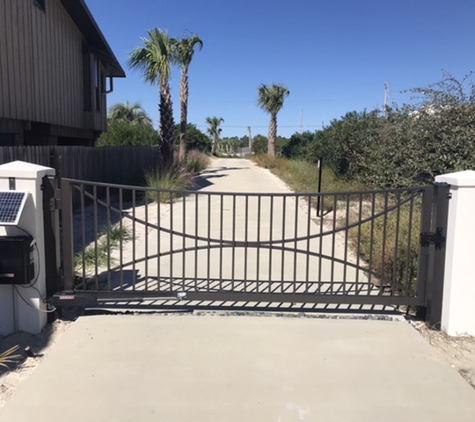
point(127, 112)
point(214, 130)
point(154, 60)
point(123, 133)
point(271, 100)
point(183, 54)
point(195, 138)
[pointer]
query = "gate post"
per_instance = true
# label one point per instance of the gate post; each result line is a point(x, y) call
point(458, 307)
point(22, 306)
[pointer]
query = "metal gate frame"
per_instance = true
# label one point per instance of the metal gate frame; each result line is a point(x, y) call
point(59, 200)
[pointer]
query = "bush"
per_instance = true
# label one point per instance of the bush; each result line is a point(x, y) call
point(392, 256)
point(166, 179)
point(196, 161)
point(122, 133)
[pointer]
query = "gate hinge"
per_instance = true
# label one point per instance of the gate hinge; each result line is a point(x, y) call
point(55, 204)
point(437, 238)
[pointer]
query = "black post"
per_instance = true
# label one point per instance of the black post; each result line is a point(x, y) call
point(439, 227)
point(320, 168)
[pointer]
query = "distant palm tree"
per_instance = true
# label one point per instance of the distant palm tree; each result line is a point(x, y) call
point(132, 113)
point(271, 100)
point(183, 54)
point(214, 130)
point(155, 61)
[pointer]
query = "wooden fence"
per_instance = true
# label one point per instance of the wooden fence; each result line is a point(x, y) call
point(121, 165)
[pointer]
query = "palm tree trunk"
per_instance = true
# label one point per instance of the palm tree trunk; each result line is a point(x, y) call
point(184, 114)
point(272, 135)
point(166, 124)
point(213, 144)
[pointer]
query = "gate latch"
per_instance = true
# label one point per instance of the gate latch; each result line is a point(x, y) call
point(437, 238)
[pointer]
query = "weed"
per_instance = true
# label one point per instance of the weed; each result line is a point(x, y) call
point(8, 356)
point(166, 181)
point(196, 161)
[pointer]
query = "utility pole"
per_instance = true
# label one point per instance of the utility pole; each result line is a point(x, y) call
point(386, 99)
point(301, 121)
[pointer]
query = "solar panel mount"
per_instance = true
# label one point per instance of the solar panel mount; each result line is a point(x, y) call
point(12, 203)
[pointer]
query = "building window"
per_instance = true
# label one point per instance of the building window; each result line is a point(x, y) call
point(40, 4)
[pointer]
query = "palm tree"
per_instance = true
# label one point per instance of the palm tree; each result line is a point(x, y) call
point(271, 100)
point(214, 130)
point(183, 54)
point(154, 60)
point(127, 112)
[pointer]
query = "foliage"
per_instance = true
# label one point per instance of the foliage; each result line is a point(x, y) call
point(214, 130)
point(183, 51)
point(9, 356)
point(122, 133)
point(271, 99)
point(196, 140)
point(385, 242)
point(297, 145)
point(131, 113)
point(154, 60)
point(260, 145)
point(108, 240)
point(196, 161)
point(166, 179)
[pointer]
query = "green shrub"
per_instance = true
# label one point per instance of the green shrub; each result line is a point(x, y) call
point(196, 161)
point(166, 179)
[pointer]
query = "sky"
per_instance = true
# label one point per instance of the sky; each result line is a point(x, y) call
point(334, 56)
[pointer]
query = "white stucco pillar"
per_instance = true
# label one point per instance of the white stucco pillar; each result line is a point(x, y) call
point(22, 307)
point(458, 306)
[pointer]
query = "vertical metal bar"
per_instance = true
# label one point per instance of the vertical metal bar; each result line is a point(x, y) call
point(96, 235)
point(209, 243)
point(221, 227)
point(358, 247)
point(271, 228)
point(197, 219)
point(371, 242)
point(332, 275)
point(258, 243)
point(396, 246)
point(246, 238)
point(320, 169)
point(307, 263)
point(320, 246)
point(296, 228)
point(347, 223)
point(159, 236)
point(383, 257)
point(233, 258)
point(284, 205)
point(134, 238)
point(171, 241)
point(83, 235)
point(441, 211)
point(121, 238)
point(146, 240)
point(68, 235)
point(183, 243)
point(108, 236)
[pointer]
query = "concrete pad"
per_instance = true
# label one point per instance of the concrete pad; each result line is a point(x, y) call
point(241, 368)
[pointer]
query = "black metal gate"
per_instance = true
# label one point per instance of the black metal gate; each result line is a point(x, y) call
point(126, 246)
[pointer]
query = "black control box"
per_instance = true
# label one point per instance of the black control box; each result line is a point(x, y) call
point(16, 260)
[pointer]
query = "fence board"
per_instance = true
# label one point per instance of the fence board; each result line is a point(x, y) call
point(121, 165)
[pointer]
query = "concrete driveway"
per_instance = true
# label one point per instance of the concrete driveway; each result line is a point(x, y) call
point(184, 367)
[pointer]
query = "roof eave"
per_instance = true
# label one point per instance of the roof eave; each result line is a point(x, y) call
point(82, 17)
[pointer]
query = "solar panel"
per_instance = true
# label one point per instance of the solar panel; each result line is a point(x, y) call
point(11, 207)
